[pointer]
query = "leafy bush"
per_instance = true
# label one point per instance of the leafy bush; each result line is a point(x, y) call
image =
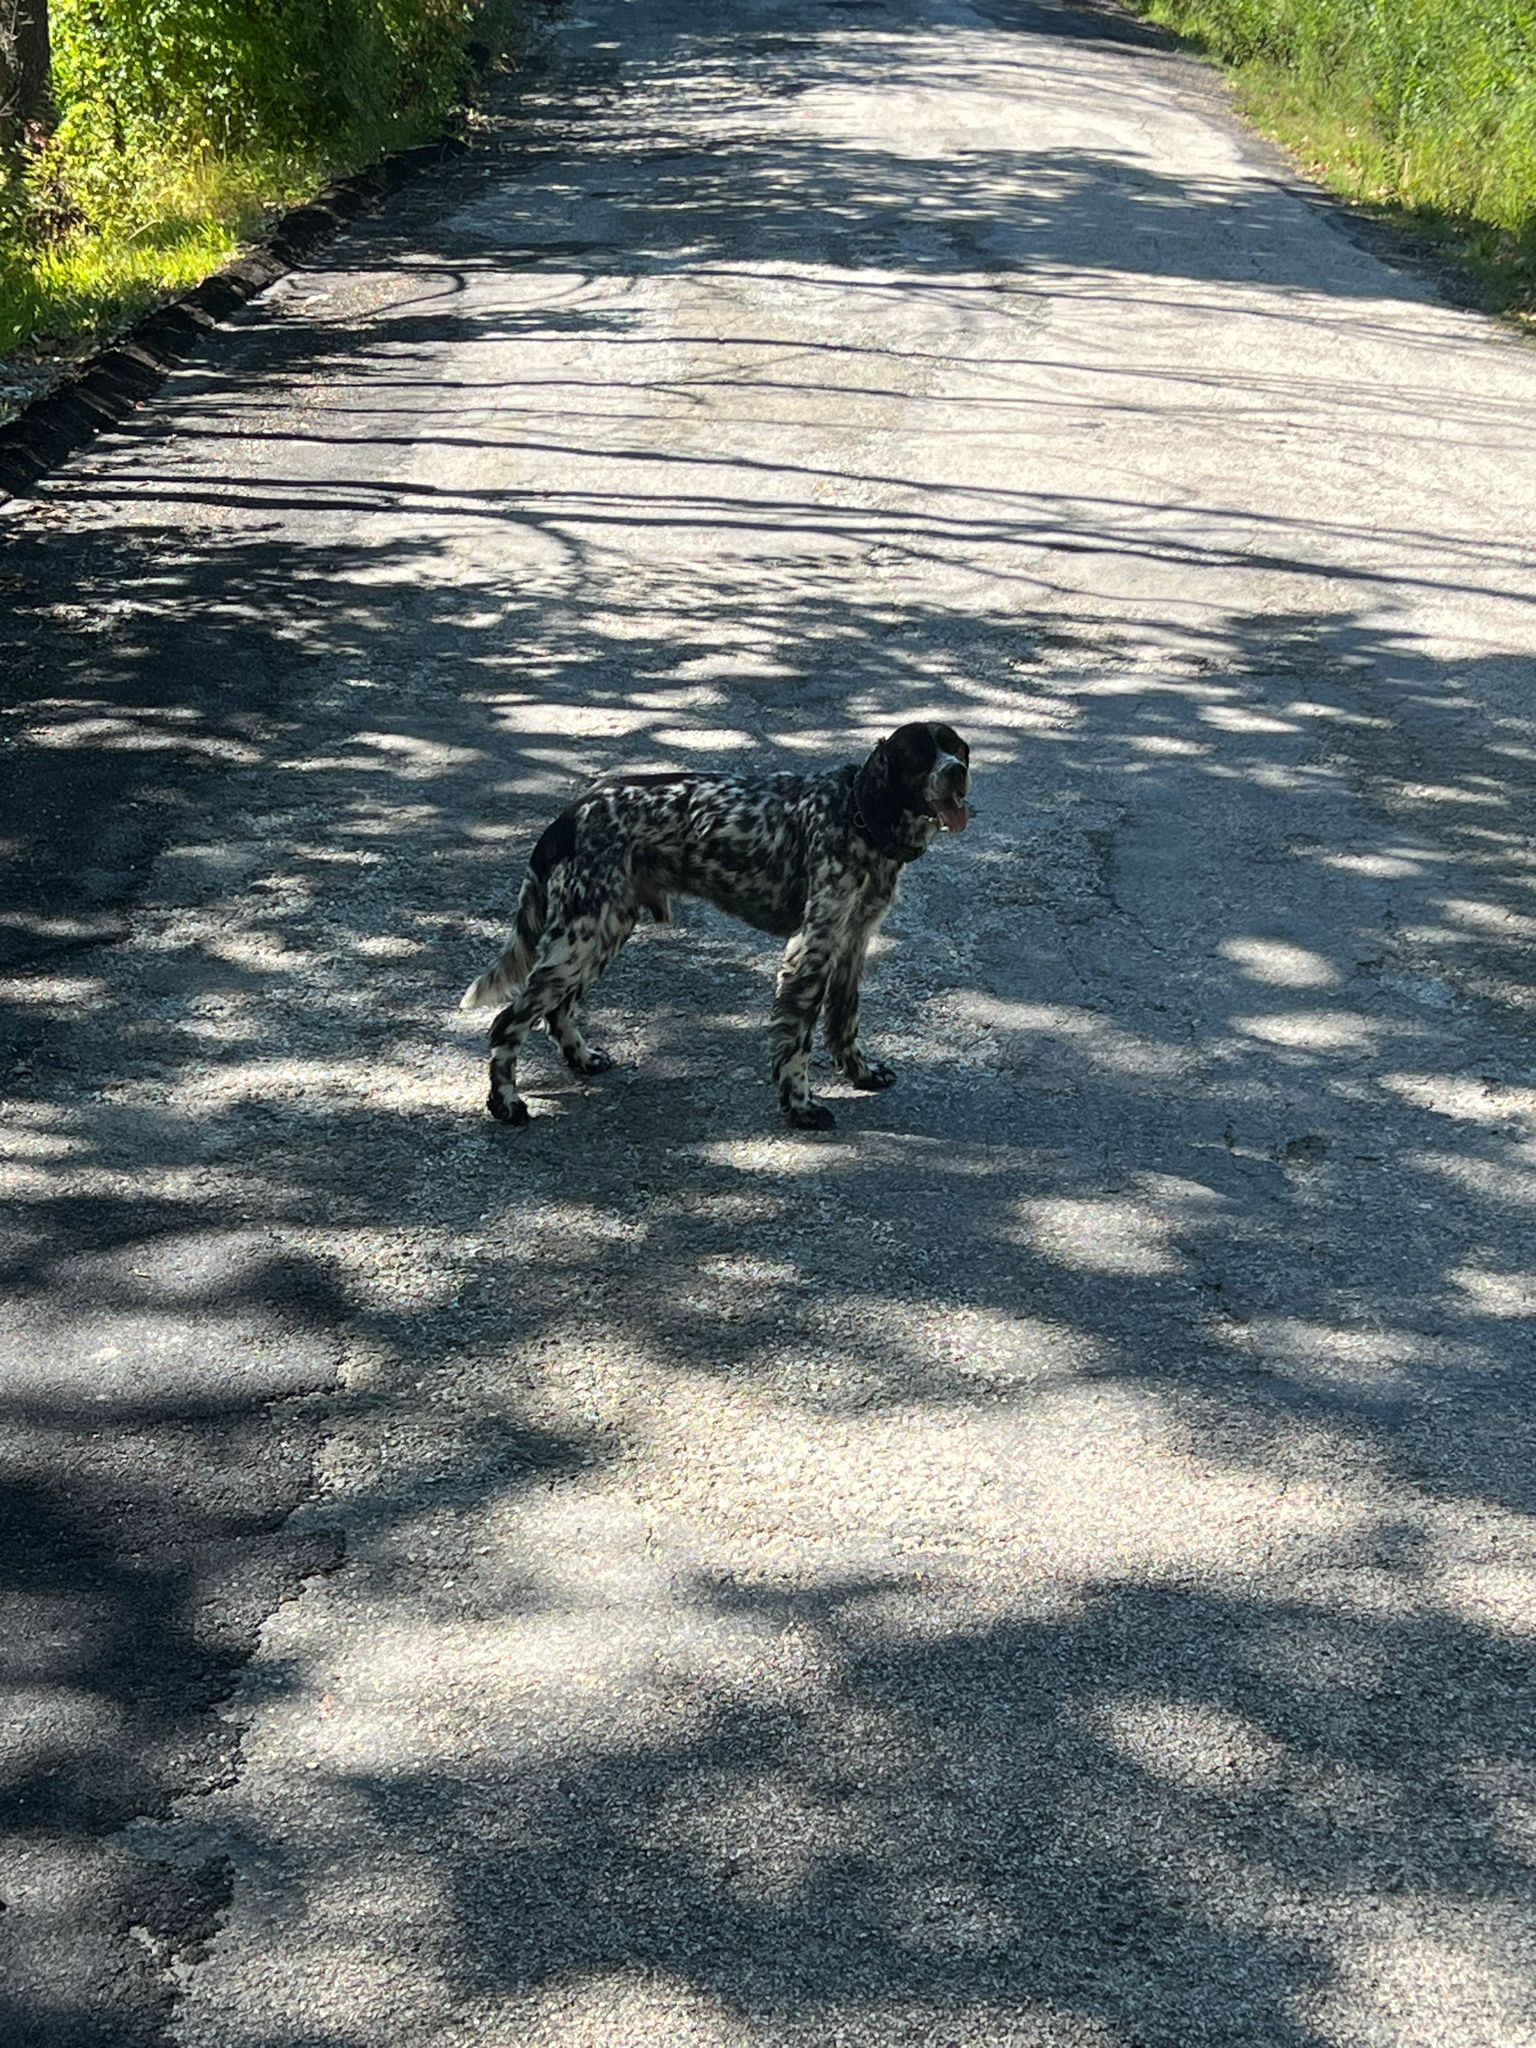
point(145, 85)
point(181, 122)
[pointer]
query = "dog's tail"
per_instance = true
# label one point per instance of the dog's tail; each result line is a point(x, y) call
point(511, 970)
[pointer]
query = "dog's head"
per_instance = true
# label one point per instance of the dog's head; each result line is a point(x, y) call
point(913, 786)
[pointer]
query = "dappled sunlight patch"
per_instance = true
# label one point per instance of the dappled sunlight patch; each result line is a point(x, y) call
point(606, 720)
point(1513, 750)
point(138, 1346)
point(1500, 1105)
point(387, 946)
point(1510, 851)
point(953, 1349)
point(410, 757)
point(1502, 1295)
point(328, 856)
point(973, 1505)
point(64, 928)
point(1489, 1581)
point(1280, 963)
point(56, 994)
point(779, 1156)
point(1192, 1745)
point(1375, 1363)
point(565, 1613)
point(161, 729)
point(1133, 1235)
point(265, 952)
point(514, 828)
point(1508, 1181)
point(1102, 1044)
point(39, 1145)
point(1389, 865)
point(1242, 718)
point(1280, 777)
point(701, 675)
point(1313, 1031)
point(1423, 1967)
point(1168, 694)
point(619, 2003)
point(706, 739)
point(316, 1087)
point(1466, 795)
point(1167, 746)
point(1495, 918)
point(1335, 714)
point(389, 818)
point(45, 1715)
point(45, 1140)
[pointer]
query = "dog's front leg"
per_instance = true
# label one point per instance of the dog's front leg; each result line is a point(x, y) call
point(798, 994)
point(843, 1020)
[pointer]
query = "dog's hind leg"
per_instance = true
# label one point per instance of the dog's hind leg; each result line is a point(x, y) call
point(570, 958)
point(539, 994)
point(565, 1030)
point(613, 931)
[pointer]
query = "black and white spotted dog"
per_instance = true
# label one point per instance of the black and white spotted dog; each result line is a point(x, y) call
point(815, 859)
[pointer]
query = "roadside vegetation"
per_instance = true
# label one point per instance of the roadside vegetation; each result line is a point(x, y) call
point(142, 140)
point(1423, 110)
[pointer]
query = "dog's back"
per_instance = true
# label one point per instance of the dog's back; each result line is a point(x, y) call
point(740, 844)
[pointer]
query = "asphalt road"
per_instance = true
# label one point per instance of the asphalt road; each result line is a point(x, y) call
point(1052, 1563)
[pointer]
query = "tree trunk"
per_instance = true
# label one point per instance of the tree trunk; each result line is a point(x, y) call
point(26, 71)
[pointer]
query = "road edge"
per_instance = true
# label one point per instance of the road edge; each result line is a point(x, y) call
point(114, 382)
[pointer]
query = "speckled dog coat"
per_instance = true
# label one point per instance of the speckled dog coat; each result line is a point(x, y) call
point(815, 859)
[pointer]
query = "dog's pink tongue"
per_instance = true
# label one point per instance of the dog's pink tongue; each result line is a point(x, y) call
point(955, 816)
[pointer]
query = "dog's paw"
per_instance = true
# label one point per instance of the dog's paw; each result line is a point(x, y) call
point(507, 1109)
point(810, 1116)
point(594, 1062)
point(874, 1074)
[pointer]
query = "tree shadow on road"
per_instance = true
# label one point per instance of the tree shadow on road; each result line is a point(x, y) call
point(1154, 1814)
point(1127, 1153)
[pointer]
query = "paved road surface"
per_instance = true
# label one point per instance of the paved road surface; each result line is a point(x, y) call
point(1051, 1564)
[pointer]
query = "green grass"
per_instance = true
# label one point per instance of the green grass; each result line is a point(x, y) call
point(100, 230)
point(61, 294)
point(1424, 111)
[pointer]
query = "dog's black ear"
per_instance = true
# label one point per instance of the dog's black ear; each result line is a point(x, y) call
point(876, 796)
